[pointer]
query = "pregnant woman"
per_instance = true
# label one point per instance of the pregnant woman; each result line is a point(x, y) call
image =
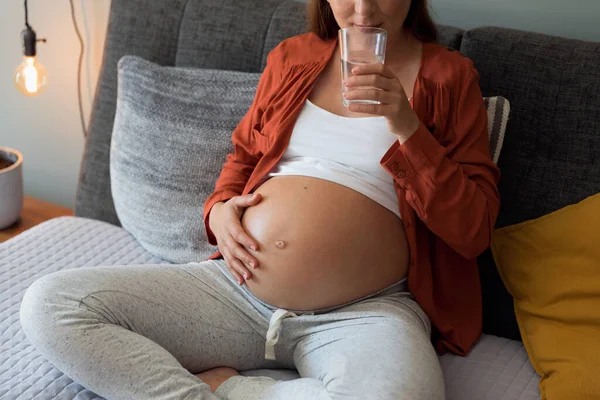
point(347, 238)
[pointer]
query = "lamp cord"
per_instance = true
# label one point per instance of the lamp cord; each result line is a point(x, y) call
point(27, 16)
point(79, 65)
point(81, 51)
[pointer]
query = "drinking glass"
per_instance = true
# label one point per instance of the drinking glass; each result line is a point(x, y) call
point(360, 46)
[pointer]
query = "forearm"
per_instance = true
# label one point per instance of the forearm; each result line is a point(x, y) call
point(214, 202)
point(213, 214)
point(459, 202)
point(458, 208)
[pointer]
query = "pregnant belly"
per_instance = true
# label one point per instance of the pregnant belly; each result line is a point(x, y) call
point(322, 244)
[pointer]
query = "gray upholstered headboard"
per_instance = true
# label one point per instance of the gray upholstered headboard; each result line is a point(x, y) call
point(223, 34)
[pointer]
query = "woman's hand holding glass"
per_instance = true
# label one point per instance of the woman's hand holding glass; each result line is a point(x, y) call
point(232, 240)
point(377, 82)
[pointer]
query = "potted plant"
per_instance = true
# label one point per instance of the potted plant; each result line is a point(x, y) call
point(11, 186)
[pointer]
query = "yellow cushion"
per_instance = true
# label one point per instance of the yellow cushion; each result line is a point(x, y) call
point(551, 267)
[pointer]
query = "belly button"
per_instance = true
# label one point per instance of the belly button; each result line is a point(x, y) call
point(280, 244)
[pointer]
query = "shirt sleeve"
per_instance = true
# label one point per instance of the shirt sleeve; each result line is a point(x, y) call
point(452, 188)
point(240, 164)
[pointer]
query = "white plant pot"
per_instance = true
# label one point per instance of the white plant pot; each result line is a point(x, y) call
point(11, 187)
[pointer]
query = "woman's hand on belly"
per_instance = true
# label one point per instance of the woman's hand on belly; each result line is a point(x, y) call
point(232, 239)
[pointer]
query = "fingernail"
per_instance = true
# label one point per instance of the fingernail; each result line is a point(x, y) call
point(246, 276)
point(253, 248)
point(252, 265)
point(354, 70)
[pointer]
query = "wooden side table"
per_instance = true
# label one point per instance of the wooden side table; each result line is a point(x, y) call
point(34, 212)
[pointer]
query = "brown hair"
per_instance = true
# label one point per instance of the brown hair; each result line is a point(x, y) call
point(418, 21)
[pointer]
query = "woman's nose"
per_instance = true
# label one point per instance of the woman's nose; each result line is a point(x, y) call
point(364, 7)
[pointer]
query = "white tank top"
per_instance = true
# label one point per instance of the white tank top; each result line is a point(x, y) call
point(343, 150)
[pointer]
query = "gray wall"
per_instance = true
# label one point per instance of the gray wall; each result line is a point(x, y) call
point(578, 19)
point(46, 129)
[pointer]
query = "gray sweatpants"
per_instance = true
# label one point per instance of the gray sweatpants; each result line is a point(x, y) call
point(141, 332)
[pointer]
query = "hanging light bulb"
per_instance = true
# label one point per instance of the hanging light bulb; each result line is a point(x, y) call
point(30, 77)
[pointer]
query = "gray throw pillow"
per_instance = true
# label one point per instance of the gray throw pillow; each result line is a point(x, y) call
point(171, 135)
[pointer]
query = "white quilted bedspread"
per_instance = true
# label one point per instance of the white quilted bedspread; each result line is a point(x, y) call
point(496, 369)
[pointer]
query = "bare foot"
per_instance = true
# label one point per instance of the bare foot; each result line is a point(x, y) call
point(216, 376)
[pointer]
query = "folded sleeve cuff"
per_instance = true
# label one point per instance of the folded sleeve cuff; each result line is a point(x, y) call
point(403, 161)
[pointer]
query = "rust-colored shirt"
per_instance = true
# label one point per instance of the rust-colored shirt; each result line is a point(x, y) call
point(445, 179)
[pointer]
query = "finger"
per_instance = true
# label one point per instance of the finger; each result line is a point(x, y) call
point(374, 109)
point(238, 252)
point(236, 265)
point(372, 80)
point(382, 96)
point(239, 267)
point(233, 272)
point(378, 68)
point(254, 198)
point(237, 276)
point(240, 236)
point(247, 200)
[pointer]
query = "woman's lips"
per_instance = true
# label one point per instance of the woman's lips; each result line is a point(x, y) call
point(367, 26)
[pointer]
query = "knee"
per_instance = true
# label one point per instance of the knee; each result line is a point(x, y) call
point(425, 386)
point(429, 386)
point(408, 370)
point(422, 385)
point(424, 376)
point(41, 306)
point(424, 379)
